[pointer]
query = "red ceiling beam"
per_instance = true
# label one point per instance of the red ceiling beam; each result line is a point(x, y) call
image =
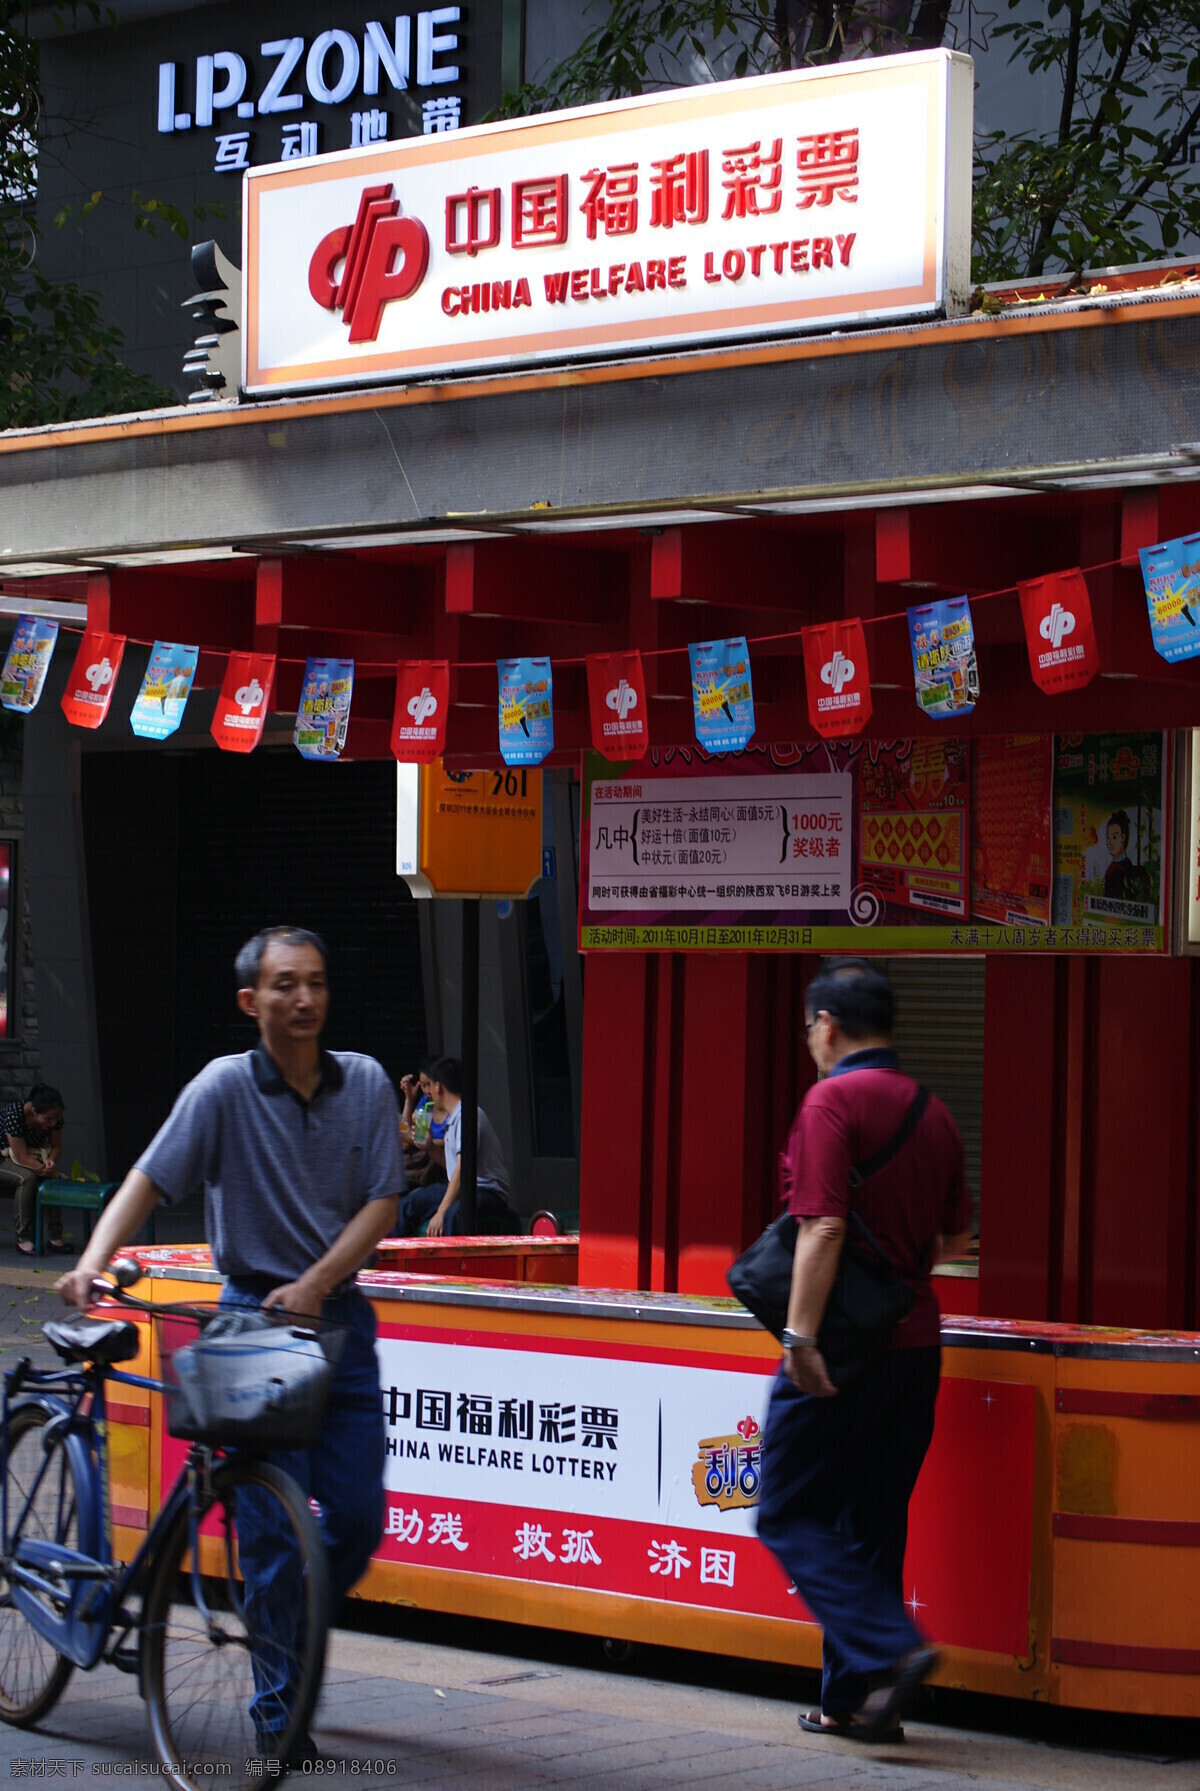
point(157, 604)
point(747, 565)
point(536, 581)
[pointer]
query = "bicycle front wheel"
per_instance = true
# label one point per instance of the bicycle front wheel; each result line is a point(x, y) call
point(32, 1671)
point(233, 1646)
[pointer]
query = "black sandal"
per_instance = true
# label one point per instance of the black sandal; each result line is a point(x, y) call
point(845, 1727)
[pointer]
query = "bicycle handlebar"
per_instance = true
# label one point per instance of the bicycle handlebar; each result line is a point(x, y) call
point(124, 1272)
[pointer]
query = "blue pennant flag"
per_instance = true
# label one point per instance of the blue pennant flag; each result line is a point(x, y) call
point(722, 695)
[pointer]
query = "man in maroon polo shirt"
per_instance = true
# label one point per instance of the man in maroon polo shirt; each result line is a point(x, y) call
point(839, 1466)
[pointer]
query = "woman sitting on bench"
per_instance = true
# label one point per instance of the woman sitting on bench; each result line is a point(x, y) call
point(32, 1144)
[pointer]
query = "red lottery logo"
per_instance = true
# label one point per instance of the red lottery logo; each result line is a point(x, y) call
point(422, 706)
point(384, 258)
point(1056, 625)
point(622, 697)
point(837, 672)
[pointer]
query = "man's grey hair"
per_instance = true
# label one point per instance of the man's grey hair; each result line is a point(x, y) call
point(247, 966)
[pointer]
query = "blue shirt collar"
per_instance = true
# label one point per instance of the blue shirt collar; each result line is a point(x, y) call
point(875, 1057)
point(269, 1077)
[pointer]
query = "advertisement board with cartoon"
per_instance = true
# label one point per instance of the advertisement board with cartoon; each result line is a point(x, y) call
point(1110, 806)
point(933, 844)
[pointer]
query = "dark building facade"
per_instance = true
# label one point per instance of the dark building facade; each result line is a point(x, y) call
point(169, 105)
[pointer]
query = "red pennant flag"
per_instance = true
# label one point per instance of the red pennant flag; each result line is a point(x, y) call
point(93, 678)
point(241, 711)
point(838, 678)
point(419, 718)
point(617, 692)
point(1059, 631)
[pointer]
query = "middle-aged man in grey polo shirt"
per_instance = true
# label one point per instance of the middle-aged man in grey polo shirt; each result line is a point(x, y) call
point(298, 1150)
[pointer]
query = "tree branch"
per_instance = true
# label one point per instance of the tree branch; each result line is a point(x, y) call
point(1052, 210)
point(1164, 162)
point(1137, 13)
point(929, 26)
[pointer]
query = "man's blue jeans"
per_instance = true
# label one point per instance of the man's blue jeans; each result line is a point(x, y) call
point(837, 1475)
point(343, 1472)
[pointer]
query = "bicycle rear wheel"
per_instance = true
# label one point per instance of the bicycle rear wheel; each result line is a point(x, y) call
point(231, 1668)
point(33, 1672)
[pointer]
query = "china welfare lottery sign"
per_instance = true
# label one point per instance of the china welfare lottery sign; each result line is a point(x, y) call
point(741, 208)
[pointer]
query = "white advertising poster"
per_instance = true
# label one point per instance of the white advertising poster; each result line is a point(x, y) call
point(578, 1468)
point(735, 209)
point(721, 842)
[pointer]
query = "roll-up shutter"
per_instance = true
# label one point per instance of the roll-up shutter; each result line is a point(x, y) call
point(939, 1040)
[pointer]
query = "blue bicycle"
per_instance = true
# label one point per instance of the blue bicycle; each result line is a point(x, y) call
point(229, 1666)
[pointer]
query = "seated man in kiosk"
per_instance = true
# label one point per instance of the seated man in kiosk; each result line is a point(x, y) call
point(438, 1208)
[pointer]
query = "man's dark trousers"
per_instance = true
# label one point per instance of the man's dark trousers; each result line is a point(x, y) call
point(837, 1475)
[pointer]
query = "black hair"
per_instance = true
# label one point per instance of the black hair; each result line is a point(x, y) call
point(447, 1071)
point(1119, 818)
point(428, 1065)
point(856, 993)
point(43, 1098)
point(247, 966)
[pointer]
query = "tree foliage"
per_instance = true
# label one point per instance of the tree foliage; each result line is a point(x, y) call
point(643, 44)
point(1110, 184)
point(59, 359)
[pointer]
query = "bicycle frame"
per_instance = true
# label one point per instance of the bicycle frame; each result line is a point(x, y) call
point(77, 1609)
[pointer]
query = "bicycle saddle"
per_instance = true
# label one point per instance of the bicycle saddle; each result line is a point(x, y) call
point(82, 1339)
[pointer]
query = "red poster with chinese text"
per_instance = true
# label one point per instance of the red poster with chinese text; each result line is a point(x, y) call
point(1059, 631)
point(419, 718)
point(1011, 853)
point(241, 711)
point(93, 678)
point(838, 678)
point(617, 693)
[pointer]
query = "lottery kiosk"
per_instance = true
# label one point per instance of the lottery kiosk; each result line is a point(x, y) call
point(844, 613)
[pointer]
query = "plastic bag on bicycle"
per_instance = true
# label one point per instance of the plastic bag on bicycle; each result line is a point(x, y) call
point(246, 1378)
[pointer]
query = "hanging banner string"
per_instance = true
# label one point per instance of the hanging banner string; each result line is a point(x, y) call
point(752, 641)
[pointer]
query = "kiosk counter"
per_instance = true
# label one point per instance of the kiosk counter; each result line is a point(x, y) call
point(589, 1460)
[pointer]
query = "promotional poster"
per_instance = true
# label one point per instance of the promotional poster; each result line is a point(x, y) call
point(526, 710)
point(945, 667)
point(722, 694)
point(324, 712)
point(935, 845)
point(28, 660)
point(159, 704)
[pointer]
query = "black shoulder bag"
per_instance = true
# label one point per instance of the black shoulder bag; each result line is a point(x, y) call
point(868, 1298)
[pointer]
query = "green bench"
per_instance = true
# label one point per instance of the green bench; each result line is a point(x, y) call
point(85, 1197)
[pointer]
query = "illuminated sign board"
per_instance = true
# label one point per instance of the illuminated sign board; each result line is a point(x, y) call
point(746, 208)
point(294, 75)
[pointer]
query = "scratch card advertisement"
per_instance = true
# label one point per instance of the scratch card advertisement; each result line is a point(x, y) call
point(323, 716)
point(945, 668)
point(722, 695)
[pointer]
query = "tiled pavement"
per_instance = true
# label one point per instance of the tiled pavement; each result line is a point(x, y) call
point(411, 1713)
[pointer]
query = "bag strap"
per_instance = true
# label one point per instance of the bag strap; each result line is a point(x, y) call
point(884, 1155)
point(895, 1144)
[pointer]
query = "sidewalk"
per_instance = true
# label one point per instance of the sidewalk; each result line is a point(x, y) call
point(429, 1715)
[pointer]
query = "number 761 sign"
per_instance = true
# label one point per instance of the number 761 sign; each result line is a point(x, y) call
point(468, 833)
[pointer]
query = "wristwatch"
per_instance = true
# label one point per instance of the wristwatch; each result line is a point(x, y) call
point(793, 1340)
